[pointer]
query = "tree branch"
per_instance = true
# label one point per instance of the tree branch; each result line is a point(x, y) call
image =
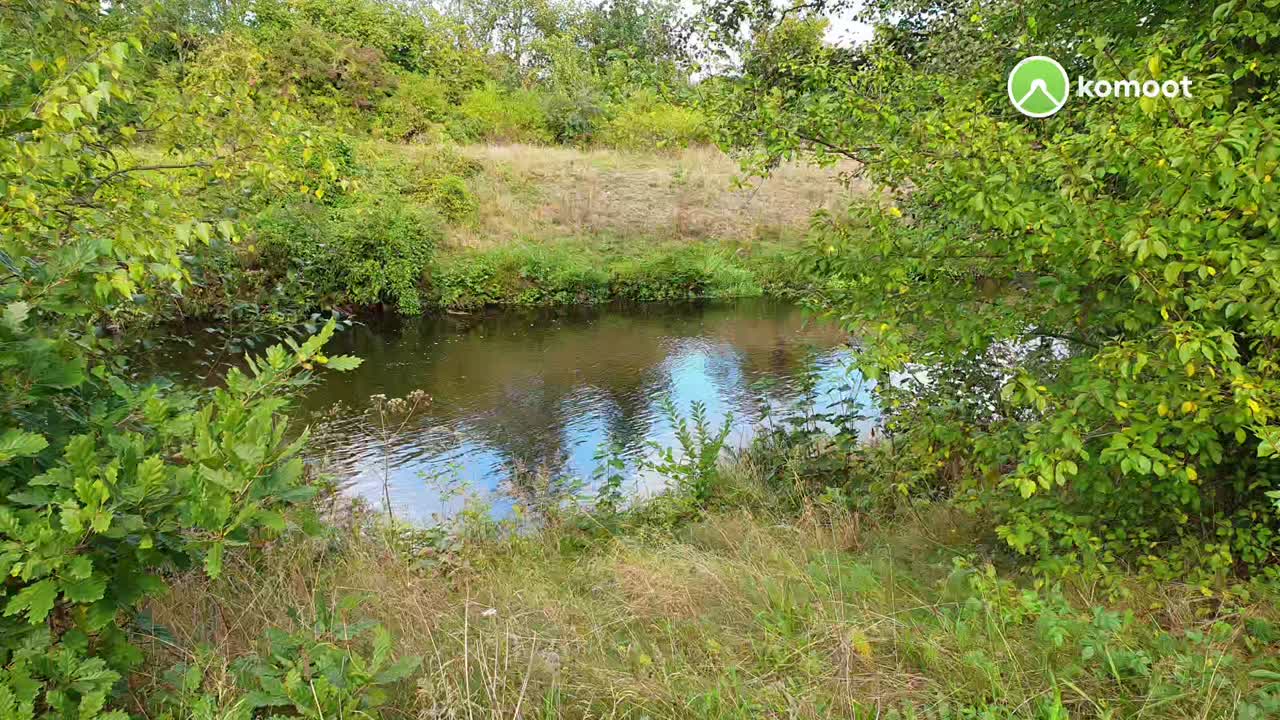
point(850, 153)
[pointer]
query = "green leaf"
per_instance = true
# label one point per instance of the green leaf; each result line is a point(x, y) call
point(90, 589)
point(399, 670)
point(15, 443)
point(213, 560)
point(343, 363)
point(35, 600)
point(15, 314)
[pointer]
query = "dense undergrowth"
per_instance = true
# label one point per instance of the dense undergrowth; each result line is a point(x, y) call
point(575, 272)
point(390, 238)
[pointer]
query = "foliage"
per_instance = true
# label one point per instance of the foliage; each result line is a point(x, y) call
point(575, 96)
point(321, 672)
point(643, 41)
point(417, 106)
point(396, 34)
point(1133, 236)
point(523, 275)
point(451, 197)
point(568, 273)
point(681, 275)
point(328, 72)
point(488, 113)
point(334, 666)
point(694, 467)
point(364, 253)
point(644, 124)
point(109, 485)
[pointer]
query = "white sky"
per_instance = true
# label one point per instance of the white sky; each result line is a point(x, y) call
point(844, 31)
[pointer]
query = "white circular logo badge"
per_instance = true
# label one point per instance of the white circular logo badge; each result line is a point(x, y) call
point(1038, 86)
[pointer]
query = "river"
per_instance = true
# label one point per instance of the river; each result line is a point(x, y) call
point(528, 400)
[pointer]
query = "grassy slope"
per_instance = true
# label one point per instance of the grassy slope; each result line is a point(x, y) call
point(748, 613)
point(561, 225)
point(531, 193)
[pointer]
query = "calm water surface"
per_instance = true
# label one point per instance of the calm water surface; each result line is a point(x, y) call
point(522, 398)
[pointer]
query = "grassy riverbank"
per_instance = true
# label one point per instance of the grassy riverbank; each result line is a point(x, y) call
point(429, 227)
point(773, 603)
point(548, 225)
point(603, 268)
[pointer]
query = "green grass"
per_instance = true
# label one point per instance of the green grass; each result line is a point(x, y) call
point(747, 612)
point(600, 269)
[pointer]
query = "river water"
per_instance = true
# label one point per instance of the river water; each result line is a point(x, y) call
point(528, 400)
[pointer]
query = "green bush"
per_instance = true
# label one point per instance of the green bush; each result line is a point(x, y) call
point(416, 108)
point(1092, 296)
point(327, 73)
point(364, 254)
point(693, 272)
point(574, 94)
point(569, 274)
point(644, 123)
point(522, 275)
point(325, 670)
point(493, 114)
point(574, 116)
point(452, 198)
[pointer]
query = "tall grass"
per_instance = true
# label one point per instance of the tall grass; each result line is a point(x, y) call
point(747, 611)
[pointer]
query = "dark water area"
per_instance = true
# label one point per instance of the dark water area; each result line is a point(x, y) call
point(530, 398)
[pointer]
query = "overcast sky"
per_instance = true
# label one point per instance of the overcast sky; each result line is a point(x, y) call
point(845, 31)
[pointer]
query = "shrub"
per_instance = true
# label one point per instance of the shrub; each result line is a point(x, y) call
point(364, 254)
point(575, 98)
point(329, 73)
point(643, 123)
point(451, 197)
point(678, 276)
point(324, 670)
point(418, 105)
point(521, 275)
point(327, 162)
point(575, 115)
point(1091, 296)
point(489, 113)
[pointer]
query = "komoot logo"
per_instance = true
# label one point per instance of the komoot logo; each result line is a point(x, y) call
point(1039, 87)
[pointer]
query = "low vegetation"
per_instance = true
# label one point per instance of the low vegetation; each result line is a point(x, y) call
point(743, 611)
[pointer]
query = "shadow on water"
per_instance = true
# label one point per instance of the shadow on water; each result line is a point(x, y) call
point(522, 393)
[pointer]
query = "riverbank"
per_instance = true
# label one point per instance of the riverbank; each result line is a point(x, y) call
point(421, 228)
point(772, 601)
point(601, 269)
point(549, 225)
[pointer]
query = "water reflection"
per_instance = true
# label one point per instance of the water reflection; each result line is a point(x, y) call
point(540, 393)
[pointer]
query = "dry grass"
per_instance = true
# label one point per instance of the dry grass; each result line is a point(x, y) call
point(738, 616)
point(535, 193)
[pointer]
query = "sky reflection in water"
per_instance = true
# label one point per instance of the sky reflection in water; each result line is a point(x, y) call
point(520, 393)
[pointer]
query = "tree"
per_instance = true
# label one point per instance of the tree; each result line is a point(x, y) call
point(106, 485)
point(1090, 297)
